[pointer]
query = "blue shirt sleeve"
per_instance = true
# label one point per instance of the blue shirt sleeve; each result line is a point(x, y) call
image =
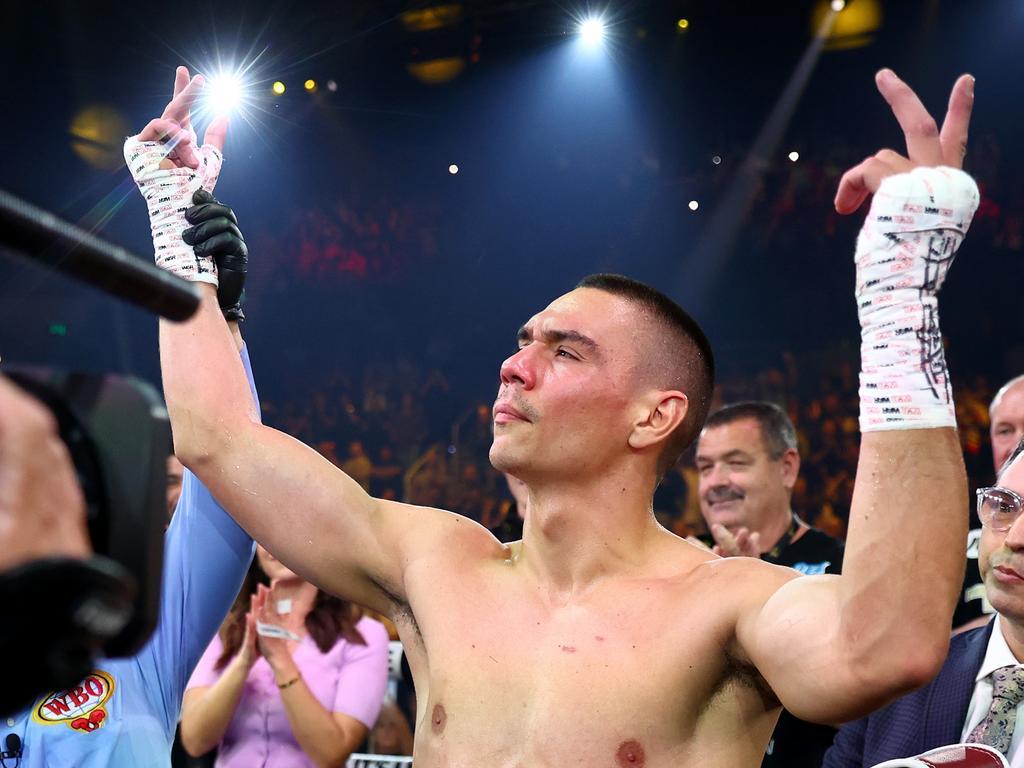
point(206, 556)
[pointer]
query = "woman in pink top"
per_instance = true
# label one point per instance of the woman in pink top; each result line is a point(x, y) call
point(304, 690)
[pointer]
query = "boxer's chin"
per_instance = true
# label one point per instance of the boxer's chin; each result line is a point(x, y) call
point(505, 457)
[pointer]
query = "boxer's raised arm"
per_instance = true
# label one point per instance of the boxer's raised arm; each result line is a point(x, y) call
point(834, 648)
point(308, 513)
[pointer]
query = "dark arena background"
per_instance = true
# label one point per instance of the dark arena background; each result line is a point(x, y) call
point(415, 179)
point(386, 290)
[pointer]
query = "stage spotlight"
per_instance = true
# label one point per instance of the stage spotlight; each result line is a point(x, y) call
point(693, 205)
point(838, 5)
point(332, 86)
point(453, 169)
point(224, 93)
point(794, 156)
point(310, 85)
point(717, 159)
point(277, 87)
point(683, 23)
point(592, 30)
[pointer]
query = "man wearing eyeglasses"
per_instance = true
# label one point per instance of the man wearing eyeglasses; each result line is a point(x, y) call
point(977, 695)
point(1006, 430)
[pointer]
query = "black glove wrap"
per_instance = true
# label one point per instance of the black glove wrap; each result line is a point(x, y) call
point(214, 232)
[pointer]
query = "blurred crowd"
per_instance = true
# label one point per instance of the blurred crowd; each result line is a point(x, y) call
point(403, 431)
point(396, 442)
point(372, 239)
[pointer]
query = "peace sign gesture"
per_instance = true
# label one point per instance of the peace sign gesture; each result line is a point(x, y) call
point(174, 126)
point(927, 145)
point(169, 169)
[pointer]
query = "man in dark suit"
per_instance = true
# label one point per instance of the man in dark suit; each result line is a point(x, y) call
point(1006, 430)
point(976, 697)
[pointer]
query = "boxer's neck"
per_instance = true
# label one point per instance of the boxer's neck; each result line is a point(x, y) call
point(577, 532)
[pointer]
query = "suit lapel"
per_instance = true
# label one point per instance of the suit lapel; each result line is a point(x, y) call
point(950, 695)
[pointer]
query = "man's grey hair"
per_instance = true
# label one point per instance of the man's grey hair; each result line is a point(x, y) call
point(777, 431)
point(1003, 390)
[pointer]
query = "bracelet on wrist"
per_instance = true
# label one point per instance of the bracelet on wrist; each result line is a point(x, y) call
point(289, 684)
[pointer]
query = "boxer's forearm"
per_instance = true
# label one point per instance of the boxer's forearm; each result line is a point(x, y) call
point(905, 558)
point(207, 394)
point(903, 566)
point(236, 334)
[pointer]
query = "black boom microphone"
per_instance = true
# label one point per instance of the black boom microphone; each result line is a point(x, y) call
point(42, 237)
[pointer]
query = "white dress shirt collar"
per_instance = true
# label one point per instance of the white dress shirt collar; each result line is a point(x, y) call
point(998, 653)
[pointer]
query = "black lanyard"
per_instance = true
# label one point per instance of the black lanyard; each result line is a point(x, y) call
point(786, 540)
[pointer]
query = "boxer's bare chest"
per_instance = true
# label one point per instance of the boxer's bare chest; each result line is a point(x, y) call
point(622, 676)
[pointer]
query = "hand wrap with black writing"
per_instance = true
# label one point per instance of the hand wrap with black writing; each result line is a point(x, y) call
point(168, 194)
point(916, 224)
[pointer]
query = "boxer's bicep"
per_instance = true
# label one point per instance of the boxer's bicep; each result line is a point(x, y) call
point(794, 638)
point(312, 516)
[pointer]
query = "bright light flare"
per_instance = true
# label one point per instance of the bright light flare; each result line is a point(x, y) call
point(310, 85)
point(793, 156)
point(693, 205)
point(453, 169)
point(592, 30)
point(277, 87)
point(224, 93)
point(838, 5)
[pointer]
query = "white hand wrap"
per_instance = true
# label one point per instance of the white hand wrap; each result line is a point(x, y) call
point(168, 193)
point(916, 224)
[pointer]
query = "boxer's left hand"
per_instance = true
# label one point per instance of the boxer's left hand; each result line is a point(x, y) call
point(927, 145)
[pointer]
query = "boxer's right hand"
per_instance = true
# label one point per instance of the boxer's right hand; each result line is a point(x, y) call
point(168, 168)
point(174, 127)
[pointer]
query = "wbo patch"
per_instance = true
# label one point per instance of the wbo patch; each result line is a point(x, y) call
point(81, 708)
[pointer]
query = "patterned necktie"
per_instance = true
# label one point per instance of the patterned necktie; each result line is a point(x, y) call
point(996, 729)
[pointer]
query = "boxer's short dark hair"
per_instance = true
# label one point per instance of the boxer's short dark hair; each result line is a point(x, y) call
point(679, 347)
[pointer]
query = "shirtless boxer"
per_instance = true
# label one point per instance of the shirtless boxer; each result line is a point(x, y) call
point(601, 639)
